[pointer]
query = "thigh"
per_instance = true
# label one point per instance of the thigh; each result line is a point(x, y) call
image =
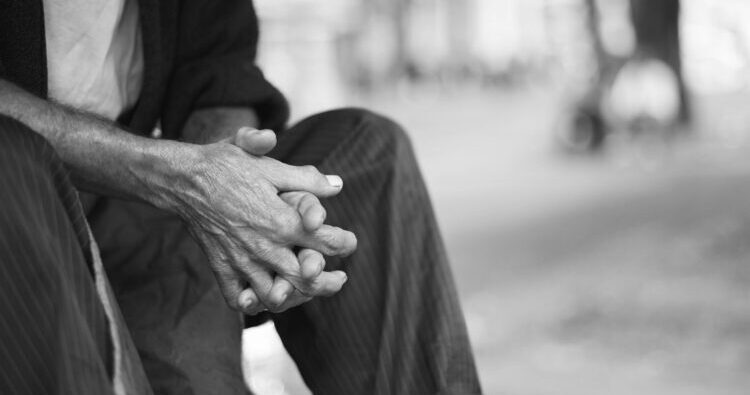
point(53, 330)
point(369, 152)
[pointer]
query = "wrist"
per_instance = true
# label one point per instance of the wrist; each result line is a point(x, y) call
point(167, 173)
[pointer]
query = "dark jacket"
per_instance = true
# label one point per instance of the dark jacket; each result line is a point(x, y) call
point(197, 54)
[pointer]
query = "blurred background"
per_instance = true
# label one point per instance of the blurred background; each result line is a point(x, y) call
point(589, 161)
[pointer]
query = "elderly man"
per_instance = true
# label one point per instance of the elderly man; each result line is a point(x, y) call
point(110, 290)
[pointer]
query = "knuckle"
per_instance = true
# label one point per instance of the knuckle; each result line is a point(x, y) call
point(331, 241)
point(261, 281)
point(291, 197)
point(310, 170)
point(262, 185)
point(326, 249)
point(249, 269)
point(309, 255)
point(316, 260)
point(286, 224)
point(309, 288)
point(304, 254)
point(309, 200)
point(325, 286)
point(287, 268)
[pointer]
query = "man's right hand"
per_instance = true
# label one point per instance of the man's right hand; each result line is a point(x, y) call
point(312, 214)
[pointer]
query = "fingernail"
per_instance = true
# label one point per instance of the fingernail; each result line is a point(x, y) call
point(335, 181)
point(246, 129)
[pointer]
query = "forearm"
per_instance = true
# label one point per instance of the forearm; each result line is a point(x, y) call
point(232, 201)
point(101, 157)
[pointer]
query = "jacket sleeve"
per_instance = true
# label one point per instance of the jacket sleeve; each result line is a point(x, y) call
point(215, 65)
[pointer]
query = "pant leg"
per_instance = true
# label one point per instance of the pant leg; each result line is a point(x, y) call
point(54, 332)
point(396, 327)
point(188, 338)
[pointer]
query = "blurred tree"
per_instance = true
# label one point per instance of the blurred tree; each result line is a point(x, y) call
point(657, 34)
point(459, 24)
point(593, 27)
point(400, 11)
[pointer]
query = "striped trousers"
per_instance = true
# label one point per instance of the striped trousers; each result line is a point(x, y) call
point(60, 329)
point(395, 328)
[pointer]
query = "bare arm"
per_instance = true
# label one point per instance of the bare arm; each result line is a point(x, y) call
point(229, 199)
point(209, 125)
point(102, 158)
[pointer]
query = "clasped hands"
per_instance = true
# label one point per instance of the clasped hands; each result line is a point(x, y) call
point(261, 225)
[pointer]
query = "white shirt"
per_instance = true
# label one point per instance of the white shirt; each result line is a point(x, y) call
point(94, 54)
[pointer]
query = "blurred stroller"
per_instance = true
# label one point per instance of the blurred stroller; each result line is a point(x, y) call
point(641, 100)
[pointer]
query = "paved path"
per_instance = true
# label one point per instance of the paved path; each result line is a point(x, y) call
point(624, 274)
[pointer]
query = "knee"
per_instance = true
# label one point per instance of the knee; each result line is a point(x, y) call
point(373, 130)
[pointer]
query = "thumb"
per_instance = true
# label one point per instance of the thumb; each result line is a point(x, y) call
point(253, 141)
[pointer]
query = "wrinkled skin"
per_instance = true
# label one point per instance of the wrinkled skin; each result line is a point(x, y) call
point(266, 209)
